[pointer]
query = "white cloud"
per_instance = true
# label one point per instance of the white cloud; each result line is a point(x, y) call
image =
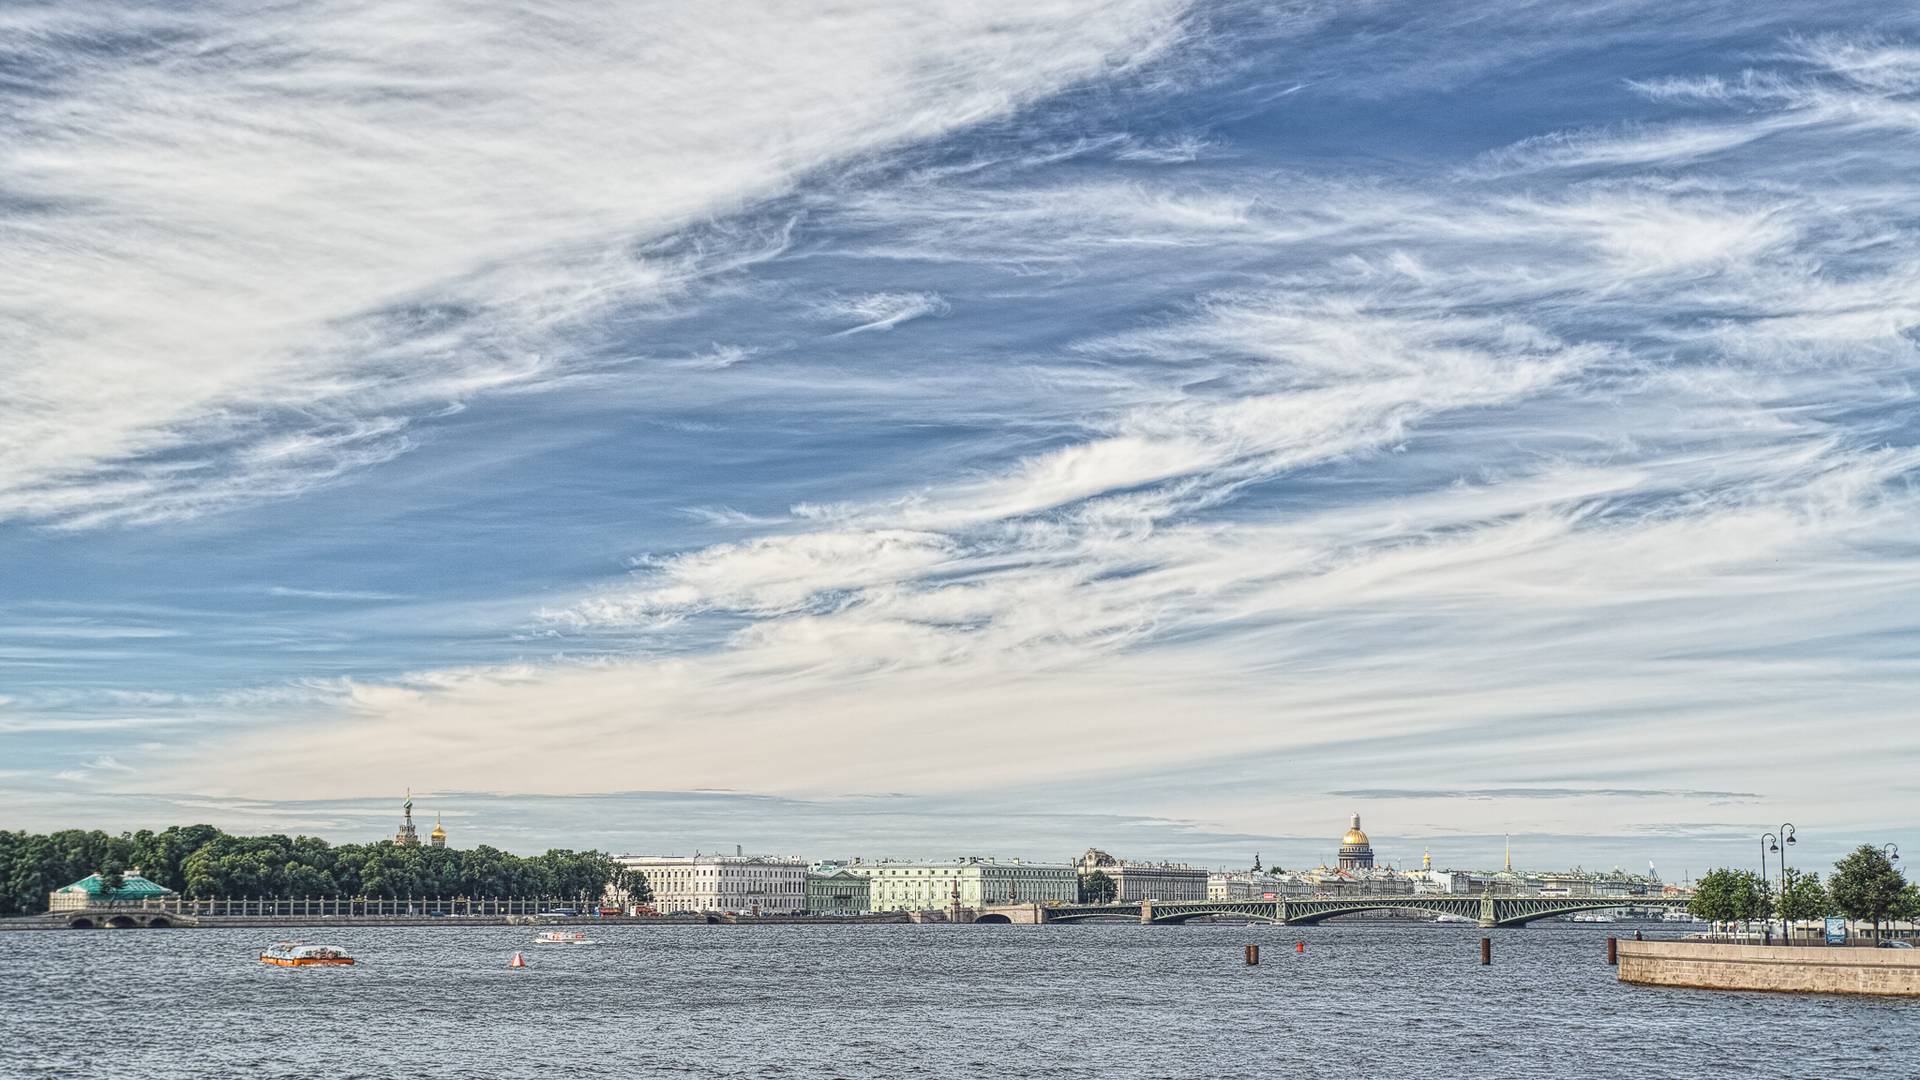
point(264, 242)
point(883, 311)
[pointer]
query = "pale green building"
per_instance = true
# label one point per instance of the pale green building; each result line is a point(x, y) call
point(837, 891)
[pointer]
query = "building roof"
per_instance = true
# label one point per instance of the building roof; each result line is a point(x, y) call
point(842, 873)
point(134, 888)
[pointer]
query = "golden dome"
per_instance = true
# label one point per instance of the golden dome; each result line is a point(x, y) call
point(1354, 835)
point(437, 830)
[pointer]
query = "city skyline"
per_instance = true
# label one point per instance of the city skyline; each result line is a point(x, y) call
point(1160, 426)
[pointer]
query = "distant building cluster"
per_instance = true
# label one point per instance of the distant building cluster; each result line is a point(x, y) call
point(783, 885)
point(1354, 873)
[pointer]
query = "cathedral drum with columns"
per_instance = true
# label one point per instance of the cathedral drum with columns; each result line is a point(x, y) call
point(1356, 853)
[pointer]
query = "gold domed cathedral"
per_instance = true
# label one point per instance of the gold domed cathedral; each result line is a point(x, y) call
point(1356, 853)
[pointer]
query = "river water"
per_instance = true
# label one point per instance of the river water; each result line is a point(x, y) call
point(1112, 1000)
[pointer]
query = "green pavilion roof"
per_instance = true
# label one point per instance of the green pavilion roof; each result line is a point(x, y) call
point(134, 888)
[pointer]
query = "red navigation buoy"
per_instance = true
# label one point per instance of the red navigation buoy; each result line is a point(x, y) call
point(1300, 946)
point(518, 961)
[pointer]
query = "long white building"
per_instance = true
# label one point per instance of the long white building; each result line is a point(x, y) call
point(930, 886)
point(1135, 881)
point(747, 884)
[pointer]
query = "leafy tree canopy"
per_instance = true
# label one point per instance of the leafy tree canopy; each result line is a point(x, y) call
point(1730, 896)
point(202, 861)
point(1865, 886)
point(1097, 888)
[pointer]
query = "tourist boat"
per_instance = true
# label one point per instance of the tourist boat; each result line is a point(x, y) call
point(294, 954)
point(562, 937)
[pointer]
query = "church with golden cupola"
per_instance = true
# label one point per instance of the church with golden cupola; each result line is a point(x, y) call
point(408, 836)
point(1356, 853)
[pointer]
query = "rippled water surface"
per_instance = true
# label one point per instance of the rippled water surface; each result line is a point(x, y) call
point(1379, 1000)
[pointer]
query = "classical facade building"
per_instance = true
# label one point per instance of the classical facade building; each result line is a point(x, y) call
point(1136, 881)
point(746, 884)
point(1356, 853)
point(969, 882)
point(836, 890)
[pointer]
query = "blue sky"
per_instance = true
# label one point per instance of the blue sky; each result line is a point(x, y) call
point(889, 429)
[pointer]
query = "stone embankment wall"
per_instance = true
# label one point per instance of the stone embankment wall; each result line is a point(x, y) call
point(1791, 969)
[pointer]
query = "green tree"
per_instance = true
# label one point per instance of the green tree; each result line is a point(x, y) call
point(1906, 906)
point(1804, 898)
point(633, 884)
point(113, 874)
point(1726, 896)
point(1714, 896)
point(1865, 886)
point(1097, 888)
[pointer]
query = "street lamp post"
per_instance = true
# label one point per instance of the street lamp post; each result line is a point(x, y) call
point(1767, 843)
point(1891, 851)
point(1787, 840)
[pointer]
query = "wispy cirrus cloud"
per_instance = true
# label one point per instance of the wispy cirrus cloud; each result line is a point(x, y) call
point(250, 248)
point(883, 311)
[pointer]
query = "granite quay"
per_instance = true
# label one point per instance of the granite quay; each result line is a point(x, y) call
point(1781, 968)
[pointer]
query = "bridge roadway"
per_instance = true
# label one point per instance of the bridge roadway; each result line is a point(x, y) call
point(1487, 910)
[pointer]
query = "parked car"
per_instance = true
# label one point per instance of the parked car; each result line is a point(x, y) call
point(1896, 944)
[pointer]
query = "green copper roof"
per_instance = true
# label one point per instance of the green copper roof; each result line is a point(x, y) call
point(134, 888)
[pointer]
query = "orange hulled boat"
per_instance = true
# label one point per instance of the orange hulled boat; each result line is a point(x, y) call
point(294, 954)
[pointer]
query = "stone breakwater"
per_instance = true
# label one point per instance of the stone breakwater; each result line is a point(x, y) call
point(1786, 969)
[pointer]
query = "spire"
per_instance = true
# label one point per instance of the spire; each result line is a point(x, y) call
point(408, 836)
point(1509, 853)
point(1426, 859)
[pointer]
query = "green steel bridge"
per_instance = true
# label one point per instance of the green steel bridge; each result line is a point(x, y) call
point(1488, 910)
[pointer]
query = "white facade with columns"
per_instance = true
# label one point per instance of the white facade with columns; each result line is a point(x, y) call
point(747, 884)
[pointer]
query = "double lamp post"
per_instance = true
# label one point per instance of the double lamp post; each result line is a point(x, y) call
point(1773, 842)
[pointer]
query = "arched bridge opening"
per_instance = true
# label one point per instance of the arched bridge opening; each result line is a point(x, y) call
point(1177, 918)
point(1305, 918)
point(1057, 915)
point(996, 920)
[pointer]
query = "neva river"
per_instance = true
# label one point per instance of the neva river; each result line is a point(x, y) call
point(1113, 1000)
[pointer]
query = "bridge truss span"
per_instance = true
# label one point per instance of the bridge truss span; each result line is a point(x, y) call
point(1486, 910)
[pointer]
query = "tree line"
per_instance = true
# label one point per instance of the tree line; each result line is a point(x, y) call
point(1865, 887)
point(201, 861)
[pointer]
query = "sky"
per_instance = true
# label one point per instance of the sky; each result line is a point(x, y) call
point(991, 427)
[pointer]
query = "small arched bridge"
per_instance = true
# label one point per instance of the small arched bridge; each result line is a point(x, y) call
point(119, 918)
point(1487, 910)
